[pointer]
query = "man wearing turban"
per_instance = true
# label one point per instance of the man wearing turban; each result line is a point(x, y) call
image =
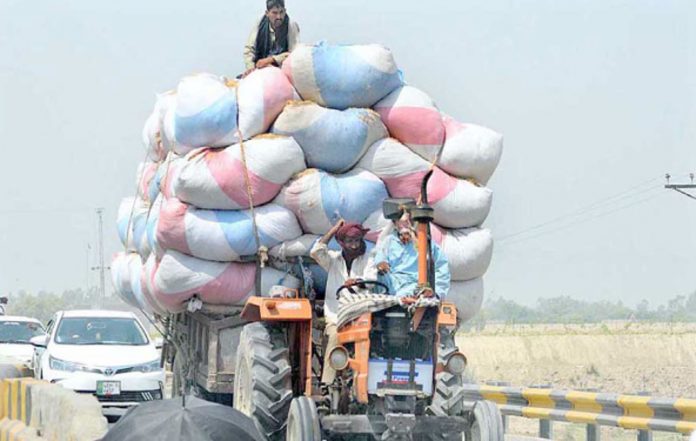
point(345, 267)
point(397, 262)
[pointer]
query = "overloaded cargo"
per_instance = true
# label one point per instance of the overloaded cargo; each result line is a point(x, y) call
point(327, 137)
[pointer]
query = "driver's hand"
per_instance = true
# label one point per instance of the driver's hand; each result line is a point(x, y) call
point(383, 267)
point(427, 292)
point(351, 282)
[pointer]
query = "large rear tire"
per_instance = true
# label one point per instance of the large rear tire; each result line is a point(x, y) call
point(303, 421)
point(488, 423)
point(262, 381)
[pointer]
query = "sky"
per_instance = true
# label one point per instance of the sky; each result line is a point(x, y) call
point(596, 99)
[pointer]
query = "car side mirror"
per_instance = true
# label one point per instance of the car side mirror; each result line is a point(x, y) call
point(159, 343)
point(40, 341)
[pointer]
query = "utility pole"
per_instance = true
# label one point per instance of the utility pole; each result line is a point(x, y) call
point(680, 188)
point(100, 250)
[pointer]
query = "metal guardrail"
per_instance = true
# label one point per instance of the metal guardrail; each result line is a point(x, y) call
point(642, 413)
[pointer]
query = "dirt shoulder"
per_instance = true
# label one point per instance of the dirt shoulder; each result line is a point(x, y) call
point(618, 357)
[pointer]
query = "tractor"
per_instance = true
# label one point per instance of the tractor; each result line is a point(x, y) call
point(399, 371)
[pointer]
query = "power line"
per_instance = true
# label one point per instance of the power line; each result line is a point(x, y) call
point(626, 194)
point(583, 220)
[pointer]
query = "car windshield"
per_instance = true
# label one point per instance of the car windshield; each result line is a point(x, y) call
point(19, 332)
point(100, 331)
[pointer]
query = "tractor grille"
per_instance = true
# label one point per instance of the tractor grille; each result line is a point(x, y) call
point(129, 396)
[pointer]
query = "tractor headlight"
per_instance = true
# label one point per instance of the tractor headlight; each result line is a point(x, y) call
point(338, 358)
point(456, 363)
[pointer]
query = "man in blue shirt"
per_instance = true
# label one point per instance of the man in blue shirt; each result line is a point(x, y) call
point(397, 263)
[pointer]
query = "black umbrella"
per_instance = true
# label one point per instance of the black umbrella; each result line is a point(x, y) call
point(191, 419)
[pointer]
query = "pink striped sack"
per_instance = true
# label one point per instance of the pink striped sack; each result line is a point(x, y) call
point(470, 151)
point(153, 141)
point(468, 296)
point(332, 140)
point(300, 246)
point(125, 275)
point(168, 173)
point(212, 112)
point(342, 76)
point(214, 179)
point(148, 184)
point(223, 235)
point(320, 199)
point(124, 224)
point(412, 117)
point(262, 95)
point(458, 203)
point(179, 277)
point(146, 279)
point(468, 250)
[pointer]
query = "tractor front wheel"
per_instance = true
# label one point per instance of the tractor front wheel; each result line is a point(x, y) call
point(303, 421)
point(487, 423)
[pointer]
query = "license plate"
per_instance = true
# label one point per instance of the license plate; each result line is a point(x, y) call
point(108, 388)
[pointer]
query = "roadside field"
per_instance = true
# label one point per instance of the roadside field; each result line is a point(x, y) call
point(617, 357)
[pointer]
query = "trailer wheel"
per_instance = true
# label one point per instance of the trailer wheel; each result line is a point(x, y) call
point(303, 421)
point(262, 381)
point(487, 423)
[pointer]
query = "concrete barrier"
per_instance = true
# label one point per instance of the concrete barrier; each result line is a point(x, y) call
point(13, 430)
point(49, 411)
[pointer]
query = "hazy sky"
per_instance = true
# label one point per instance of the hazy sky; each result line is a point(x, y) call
point(596, 98)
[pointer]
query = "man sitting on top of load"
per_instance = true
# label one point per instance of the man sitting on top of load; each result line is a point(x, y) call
point(345, 267)
point(272, 39)
point(397, 263)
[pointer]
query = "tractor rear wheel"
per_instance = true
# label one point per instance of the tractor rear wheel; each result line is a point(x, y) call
point(487, 423)
point(303, 421)
point(262, 381)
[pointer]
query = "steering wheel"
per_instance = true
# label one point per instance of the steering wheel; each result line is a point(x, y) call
point(361, 284)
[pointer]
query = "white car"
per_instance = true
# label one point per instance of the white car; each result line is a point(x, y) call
point(104, 353)
point(15, 335)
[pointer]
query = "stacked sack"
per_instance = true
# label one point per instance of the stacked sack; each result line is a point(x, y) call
point(270, 163)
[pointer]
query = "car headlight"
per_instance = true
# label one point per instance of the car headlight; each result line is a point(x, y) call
point(150, 366)
point(66, 366)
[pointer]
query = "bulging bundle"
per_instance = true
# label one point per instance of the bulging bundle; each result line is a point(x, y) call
point(340, 77)
point(223, 235)
point(470, 150)
point(214, 179)
point(331, 140)
point(123, 223)
point(320, 199)
point(412, 118)
point(212, 112)
point(468, 250)
point(146, 280)
point(468, 296)
point(179, 277)
point(148, 181)
point(125, 275)
point(156, 145)
point(458, 203)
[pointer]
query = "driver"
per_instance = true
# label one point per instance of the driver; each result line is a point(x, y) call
point(345, 268)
